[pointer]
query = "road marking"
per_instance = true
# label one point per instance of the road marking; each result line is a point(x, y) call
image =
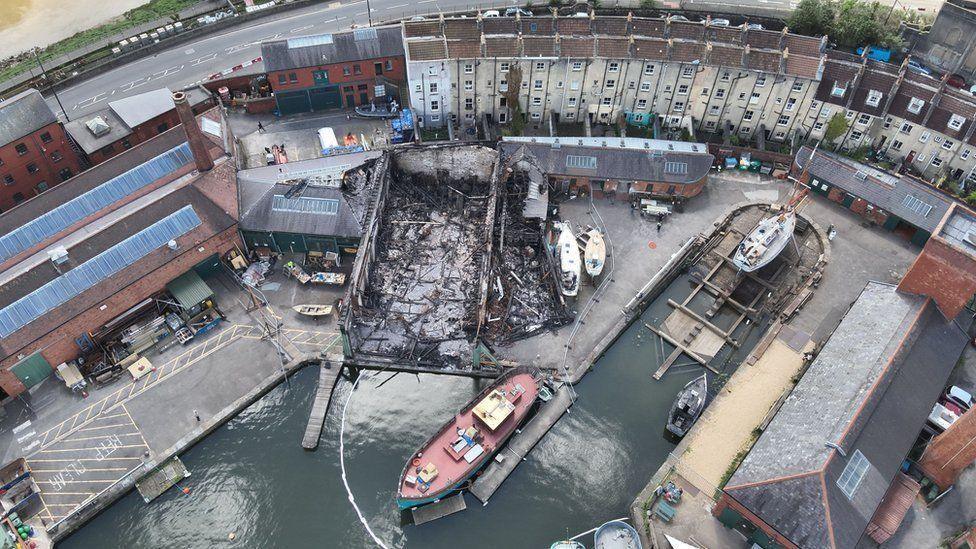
point(190, 51)
point(398, 7)
point(105, 470)
point(99, 427)
point(32, 460)
point(300, 29)
point(83, 449)
point(203, 59)
point(426, 1)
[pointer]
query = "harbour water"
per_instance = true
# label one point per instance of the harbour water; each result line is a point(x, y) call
point(252, 478)
point(28, 23)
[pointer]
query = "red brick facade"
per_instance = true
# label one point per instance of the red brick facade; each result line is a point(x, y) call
point(353, 78)
point(944, 273)
point(727, 502)
point(623, 188)
point(59, 345)
point(34, 163)
point(142, 133)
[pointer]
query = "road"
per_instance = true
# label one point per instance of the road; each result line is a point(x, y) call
point(192, 62)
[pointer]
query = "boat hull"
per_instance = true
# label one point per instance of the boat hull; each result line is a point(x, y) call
point(569, 261)
point(595, 254)
point(679, 425)
point(774, 248)
point(616, 534)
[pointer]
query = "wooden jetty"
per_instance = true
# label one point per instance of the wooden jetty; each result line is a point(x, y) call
point(439, 509)
point(162, 478)
point(328, 376)
point(520, 444)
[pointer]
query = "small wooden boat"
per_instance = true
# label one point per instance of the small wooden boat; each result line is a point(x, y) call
point(688, 405)
point(313, 310)
point(616, 534)
point(595, 253)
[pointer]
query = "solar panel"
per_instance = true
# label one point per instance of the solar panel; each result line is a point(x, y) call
point(586, 162)
point(364, 34)
point(307, 41)
point(319, 206)
point(65, 287)
point(39, 229)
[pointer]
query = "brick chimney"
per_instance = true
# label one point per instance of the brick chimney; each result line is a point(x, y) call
point(946, 269)
point(194, 135)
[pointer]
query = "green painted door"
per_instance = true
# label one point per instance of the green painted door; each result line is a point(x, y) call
point(848, 200)
point(208, 267)
point(921, 237)
point(891, 223)
point(32, 370)
point(293, 102)
point(324, 98)
point(287, 242)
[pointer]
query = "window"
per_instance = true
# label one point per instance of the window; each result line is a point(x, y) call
point(780, 135)
point(920, 158)
point(687, 71)
point(713, 110)
point(431, 70)
point(577, 65)
point(887, 123)
point(293, 77)
point(574, 85)
point(572, 101)
point(21, 149)
point(906, 128)
point(570, 114)
point(645, 86)
point(468, 68)
point(790, 104)
point(378, 68)
point(710, 125)
point(642, 103)
point(56, 155)
point(46, 137)
point(924, 138)
point(389, 64)
point(347, 72)
point(936, 161)
point(948, 145)
point(956, 122)
point(849, 115)
point(610, 84)
point(853, 474)
point(856, 136)
point(915, 105)
point(965, 154)
point(818, 126)
point(745, 129)
point(468, 85)
point(469, 104)
point(536, 116)
point(679, 106)
point(677, 168)
point(704, 91)
point(356, 69)
point(864, 119)
point(761, 81)
point(783, 121)
point(874, 98)
point(503, 85)
point(779, 100)
point(537, 84)
point(897, 145)
point(162, 127)
point(540, 66)
point(559, 85)
point(435, 106)
point(839, 89)
point(437, 118)
point(41, 187)
point(726, 76)
point(631, 85)
point(613, 66)
point(32, 168)
point(584, 162)
point(503, 67)
point(648, 70)
point(719, 93)
point(797, 86)
point(536, 101)
point(606, 102)
point(914, 204)
point(754, 99)
point(65, 174)
point(433, 87)
point(8, 179)
point(683, 89)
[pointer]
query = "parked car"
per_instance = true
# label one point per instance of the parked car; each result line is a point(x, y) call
point(581, 14)
point(510, 12)
point(755, 27)
point(957, 81)
point(677, 18)
point(915, 66)
point(491, 13)
point(418, 18)
point(721, 22)
point(960, 396)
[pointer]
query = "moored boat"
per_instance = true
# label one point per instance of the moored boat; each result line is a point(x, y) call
point(569, 260)
point(468, 441)
point(765, 242)
point(567, 544)
point(616, 534)
point(688, 405)
point(313, 310)
point(595, 253)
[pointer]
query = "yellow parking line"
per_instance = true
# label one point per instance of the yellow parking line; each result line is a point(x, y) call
point(103, 437)
point(101, 427)
point(69, 494)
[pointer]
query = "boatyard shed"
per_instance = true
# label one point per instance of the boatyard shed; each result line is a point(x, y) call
point(818, 473)
point(898, 203)
point(622, 168)
point(316, 205)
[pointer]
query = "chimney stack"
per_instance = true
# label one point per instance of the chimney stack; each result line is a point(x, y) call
point(194, 135)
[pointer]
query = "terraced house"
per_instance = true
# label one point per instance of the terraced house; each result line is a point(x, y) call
point(693, 75)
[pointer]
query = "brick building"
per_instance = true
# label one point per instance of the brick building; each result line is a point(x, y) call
point(35, 152)
point(75, 258)
point(622, 168)
point(326, 71)
point(128, 122)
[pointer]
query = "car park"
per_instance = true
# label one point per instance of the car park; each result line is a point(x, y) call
point(511, 12)
point(491, 13)
point(959, 396)
point(720, 22)
point(755, 27)
point(677, 18)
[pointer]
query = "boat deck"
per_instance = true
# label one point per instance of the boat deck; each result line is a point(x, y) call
point(472, 437)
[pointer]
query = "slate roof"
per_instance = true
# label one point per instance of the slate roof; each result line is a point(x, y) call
point(884, 190)
point(289, 54)
point(629, 162)
point(868, 391)
point(23, 114)
point(258, 187)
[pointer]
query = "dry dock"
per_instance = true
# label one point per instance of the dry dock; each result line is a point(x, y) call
point(328, 375)
point(520, 444)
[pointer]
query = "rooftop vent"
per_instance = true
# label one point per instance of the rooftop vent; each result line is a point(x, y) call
point(98, 126)
point(971, 238)
point(861, 176)
point(59, 255)
point(171, 245)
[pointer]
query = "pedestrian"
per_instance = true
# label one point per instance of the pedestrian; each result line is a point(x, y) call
point(658, 226)
point(260, 127)
point(196, 414)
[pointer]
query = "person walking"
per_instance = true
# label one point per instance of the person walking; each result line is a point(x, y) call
point(260, 127)
point(658, 226)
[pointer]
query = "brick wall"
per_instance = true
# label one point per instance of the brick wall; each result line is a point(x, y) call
point(951, 452)
point(303, 77)
point(142, 133)
point(49, 151)
point(943, 273)
point(59, 345)
point(728, 502)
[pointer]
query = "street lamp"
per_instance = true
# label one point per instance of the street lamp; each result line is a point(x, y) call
point(53, 90)
point(369, 13)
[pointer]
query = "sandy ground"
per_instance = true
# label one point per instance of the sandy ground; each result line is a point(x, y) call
point(28, 23)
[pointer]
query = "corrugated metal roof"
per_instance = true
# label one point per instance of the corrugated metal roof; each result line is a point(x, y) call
point(313, 51)
point(896, 503)
point(189, 289)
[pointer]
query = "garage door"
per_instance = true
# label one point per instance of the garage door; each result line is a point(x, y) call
point(32, 370)
point(325, 98)
point(292, 102)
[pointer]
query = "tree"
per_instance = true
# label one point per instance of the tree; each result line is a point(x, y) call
point(812, 17)
point(835, 128)
point(512, 98)
point(648, 4)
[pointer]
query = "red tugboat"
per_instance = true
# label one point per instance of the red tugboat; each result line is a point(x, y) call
point(469, 440)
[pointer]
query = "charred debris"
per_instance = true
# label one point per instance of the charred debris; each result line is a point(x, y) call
point(453, 261)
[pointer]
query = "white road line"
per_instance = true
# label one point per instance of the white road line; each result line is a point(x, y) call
point(190, 51)
point(203, 59)
point(426, 1)
point(398, 7)
point(300, 29)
